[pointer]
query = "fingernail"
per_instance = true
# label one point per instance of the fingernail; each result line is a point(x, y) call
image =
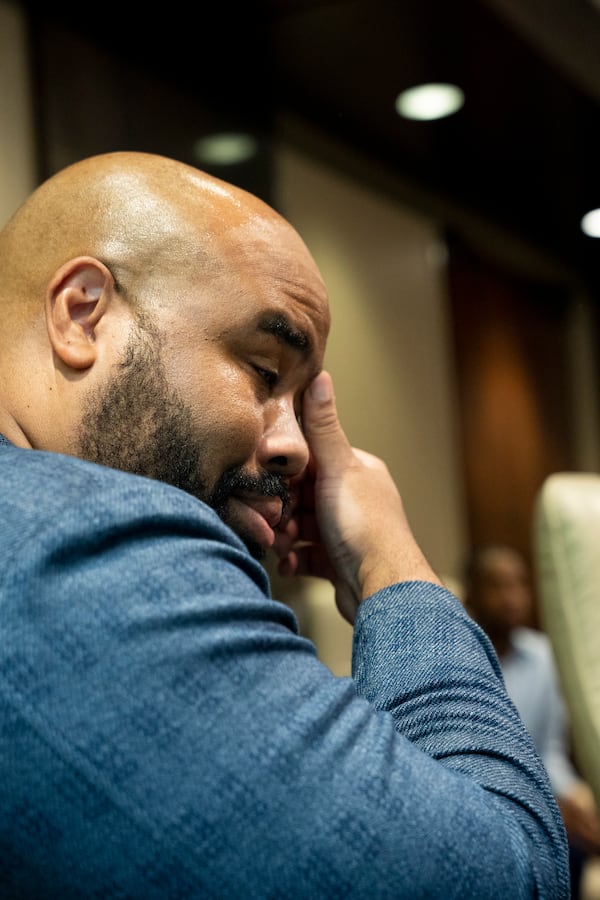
point(321, 389)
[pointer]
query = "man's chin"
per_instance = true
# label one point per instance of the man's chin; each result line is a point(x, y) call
point(252, 545)
point(255, 549)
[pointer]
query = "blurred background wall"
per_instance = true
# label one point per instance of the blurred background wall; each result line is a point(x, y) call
point(17, 141)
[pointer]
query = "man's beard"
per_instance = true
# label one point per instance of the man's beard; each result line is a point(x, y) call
point(141, 425)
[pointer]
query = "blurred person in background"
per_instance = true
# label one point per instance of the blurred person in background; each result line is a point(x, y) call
point(498, 595)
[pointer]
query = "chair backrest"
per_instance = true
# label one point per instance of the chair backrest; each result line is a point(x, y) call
point(567, 560)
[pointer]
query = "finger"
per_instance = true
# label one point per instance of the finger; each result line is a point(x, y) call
point(295, 535)
point(324, 433)
point(307, 559)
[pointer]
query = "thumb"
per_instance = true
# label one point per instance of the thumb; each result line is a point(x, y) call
point(322, 428)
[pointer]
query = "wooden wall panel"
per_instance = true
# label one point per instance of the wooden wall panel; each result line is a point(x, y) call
point(511, 355)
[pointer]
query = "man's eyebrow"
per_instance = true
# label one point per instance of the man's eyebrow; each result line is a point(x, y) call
point(279, 326)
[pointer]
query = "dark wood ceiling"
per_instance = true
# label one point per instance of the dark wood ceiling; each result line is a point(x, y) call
point(522, 155)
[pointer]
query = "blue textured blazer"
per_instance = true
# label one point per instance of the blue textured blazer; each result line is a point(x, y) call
point(165, 732)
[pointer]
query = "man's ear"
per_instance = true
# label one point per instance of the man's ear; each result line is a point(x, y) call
point(77, 297)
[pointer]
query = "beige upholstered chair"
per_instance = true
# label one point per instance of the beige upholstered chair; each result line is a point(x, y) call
point(567, 560)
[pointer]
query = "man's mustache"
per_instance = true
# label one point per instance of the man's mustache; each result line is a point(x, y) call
point(236, 481)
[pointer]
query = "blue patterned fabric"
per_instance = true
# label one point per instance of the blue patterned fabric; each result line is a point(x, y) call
point(166, 733)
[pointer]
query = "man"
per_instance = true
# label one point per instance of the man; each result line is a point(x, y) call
point(498, 595)
point(165, 731)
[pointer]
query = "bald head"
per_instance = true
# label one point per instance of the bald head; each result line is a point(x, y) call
point(139, 213)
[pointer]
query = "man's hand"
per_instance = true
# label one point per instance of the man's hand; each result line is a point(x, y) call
point(349, 523)
point(580, 816)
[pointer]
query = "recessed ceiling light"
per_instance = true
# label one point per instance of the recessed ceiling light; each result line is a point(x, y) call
point(590, 224)
point(225, 149)
point(429, 101)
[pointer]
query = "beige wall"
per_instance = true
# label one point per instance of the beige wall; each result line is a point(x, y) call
point(17, 169)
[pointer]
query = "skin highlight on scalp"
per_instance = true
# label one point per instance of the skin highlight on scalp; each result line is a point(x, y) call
point(139, 213)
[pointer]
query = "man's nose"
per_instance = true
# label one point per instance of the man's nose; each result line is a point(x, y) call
point(283, 446)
